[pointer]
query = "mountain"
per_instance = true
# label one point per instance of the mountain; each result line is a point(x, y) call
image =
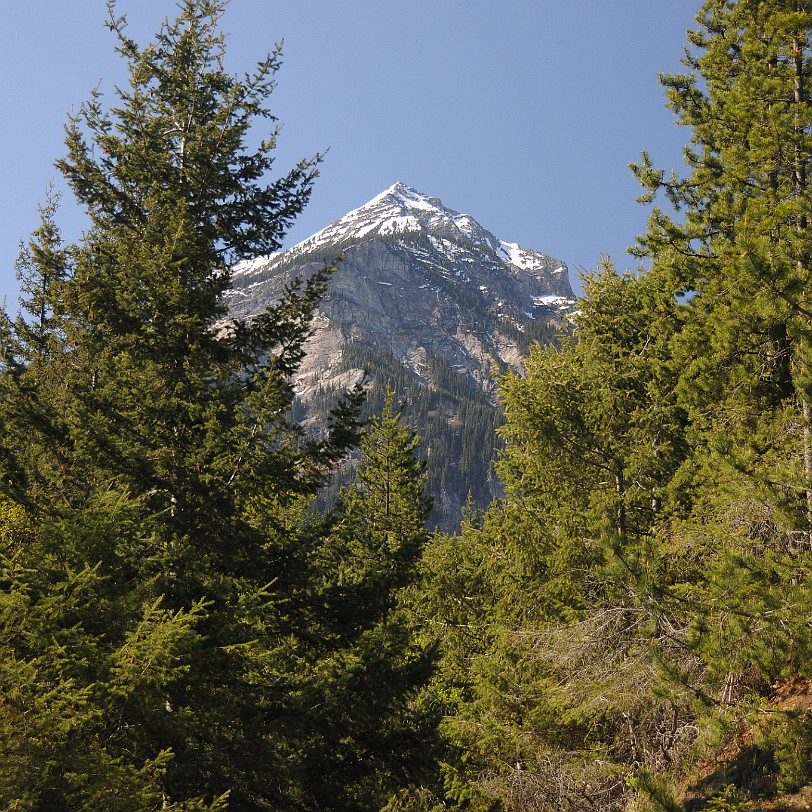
point(429, 300)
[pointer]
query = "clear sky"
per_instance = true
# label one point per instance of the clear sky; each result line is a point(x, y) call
point(523, 113)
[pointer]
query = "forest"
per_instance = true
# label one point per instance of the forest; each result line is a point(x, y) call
point(184, 625)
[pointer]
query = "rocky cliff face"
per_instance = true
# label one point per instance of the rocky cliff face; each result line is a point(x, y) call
point(433, 303)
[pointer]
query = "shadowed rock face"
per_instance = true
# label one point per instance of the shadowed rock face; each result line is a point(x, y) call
point(427, 296)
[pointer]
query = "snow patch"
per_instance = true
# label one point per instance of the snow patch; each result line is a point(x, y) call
point(550, 301)
point(525, 259)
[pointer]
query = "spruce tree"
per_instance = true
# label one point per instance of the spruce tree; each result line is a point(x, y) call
point(741, 249)
point(373, 718)
point(646, 581)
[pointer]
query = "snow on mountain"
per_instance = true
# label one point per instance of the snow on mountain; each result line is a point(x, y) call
point(427, 298)
point(416, 274)
point(401, 209)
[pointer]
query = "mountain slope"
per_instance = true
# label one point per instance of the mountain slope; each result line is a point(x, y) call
point(431, 301)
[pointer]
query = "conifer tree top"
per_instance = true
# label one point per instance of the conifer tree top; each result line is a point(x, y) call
point(181, 125)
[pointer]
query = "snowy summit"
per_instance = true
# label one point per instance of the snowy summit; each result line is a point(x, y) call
point(401, 209)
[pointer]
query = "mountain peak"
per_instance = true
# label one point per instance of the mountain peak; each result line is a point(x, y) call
point(398, 200)
point(397, 210)
point(399, 189)
point(406, 196)
point(456, 240)
point(428, 299)
point(401, 209)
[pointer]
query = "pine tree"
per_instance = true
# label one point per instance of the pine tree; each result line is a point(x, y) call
point(30, 343)
point(742, 250)
point(43, 265)
point(374, 721)
point(732, 581)
point(644, 578)
point(166, 568)
point(742, 246)
point(545, 598)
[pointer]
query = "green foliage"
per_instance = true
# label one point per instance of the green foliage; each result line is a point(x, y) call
point(540, 601)
point(741, 248)
point(644, 580)
point(180, 627)
point(365, 570)
point(730, 800)
point(457, 423)
point(787, 737)
point(167, 636)
point(656, 793)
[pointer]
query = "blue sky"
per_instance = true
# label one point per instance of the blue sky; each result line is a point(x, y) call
point(522, 113)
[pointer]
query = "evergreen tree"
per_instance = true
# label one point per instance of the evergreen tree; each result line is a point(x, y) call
point(742, 246)
point(544, 599)
point(29, 346)
point(732, 581)
point(372, 717)
point(742, 250)
point(165, 636)
point(644, 583)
